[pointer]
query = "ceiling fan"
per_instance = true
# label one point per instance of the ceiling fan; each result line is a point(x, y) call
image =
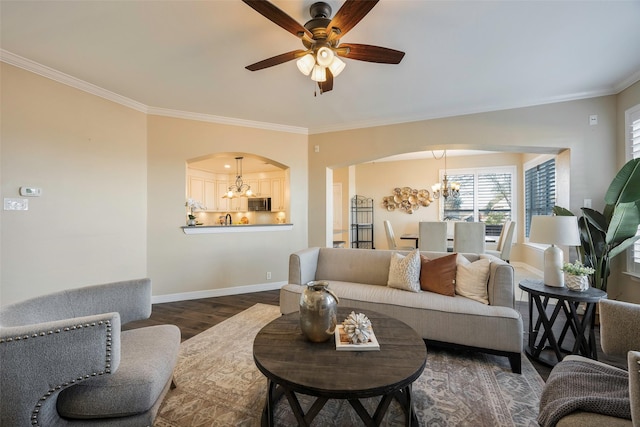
point(321, 39)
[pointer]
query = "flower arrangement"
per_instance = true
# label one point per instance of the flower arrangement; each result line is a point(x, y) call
point(194, 205)
point(577, 269)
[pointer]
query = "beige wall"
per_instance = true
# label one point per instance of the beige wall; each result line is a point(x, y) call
point(180, 263)
point(89, 157)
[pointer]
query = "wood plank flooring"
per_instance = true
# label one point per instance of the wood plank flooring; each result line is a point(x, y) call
point(195, 316)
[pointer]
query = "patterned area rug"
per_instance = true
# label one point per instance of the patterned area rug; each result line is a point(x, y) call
point(218, 384)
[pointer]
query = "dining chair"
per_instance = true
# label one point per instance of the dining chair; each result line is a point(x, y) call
point(391, 240)
point(469, 237)
point(505, 241)
point(432, 236)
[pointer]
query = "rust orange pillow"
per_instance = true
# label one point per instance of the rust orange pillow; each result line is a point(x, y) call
point(438, 275)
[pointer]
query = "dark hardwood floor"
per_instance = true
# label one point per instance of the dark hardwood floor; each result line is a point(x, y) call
point(195, 316)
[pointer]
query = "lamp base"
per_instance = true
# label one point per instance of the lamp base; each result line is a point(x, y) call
point(553, 275)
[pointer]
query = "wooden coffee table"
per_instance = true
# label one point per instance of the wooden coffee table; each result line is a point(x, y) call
point(294, 365)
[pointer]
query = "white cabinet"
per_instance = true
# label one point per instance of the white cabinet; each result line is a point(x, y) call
point(264, 187)
point(203, 190)
point(277, 194)
point(221, 205)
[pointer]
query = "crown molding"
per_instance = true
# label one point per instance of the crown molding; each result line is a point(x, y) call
point(225, 120)
point(60, 77)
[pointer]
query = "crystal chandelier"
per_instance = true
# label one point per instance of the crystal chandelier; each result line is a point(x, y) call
point(446, 188)
point(239, 189)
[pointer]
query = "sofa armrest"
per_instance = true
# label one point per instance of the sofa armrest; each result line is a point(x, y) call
point(501, 287)
point(633, 359)
point(40, 360)
point(303, 265)
point(619, 327)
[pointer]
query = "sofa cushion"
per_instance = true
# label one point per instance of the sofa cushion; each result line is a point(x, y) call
point(148, 356)
point(472, 279)
point(404, 271)
point(438, 275)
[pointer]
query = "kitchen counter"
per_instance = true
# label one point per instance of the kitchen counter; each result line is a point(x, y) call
point(235, 228)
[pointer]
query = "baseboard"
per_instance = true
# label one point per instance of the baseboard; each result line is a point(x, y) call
point(527, 267)
point(235, 290)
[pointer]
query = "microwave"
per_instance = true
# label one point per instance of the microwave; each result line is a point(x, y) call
point(260, 204)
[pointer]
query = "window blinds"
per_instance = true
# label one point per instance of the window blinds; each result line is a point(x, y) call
point(540, 191)
point(633, 119)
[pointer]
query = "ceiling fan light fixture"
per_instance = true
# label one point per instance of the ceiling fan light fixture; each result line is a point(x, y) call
point(306, 63)
point(319, 74)
point(324, 56)
point(337, 65)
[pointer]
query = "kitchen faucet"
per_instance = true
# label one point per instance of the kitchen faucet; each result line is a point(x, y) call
point(228, 217)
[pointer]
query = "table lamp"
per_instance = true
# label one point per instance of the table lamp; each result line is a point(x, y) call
point(554, 230)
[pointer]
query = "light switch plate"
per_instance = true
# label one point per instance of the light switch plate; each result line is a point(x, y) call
point(16, 204)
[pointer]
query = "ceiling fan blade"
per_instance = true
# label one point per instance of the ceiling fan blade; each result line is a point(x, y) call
point(365, 52)
point(278, 17)
point(326, 85)
point(351, 12)
point(276, 60)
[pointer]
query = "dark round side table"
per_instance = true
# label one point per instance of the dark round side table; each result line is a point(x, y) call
point(580, 326)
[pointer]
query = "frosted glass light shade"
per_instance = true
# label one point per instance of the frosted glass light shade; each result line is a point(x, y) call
point(337, 65)
point(324, 56)
point(306, 63)
point(319, 74)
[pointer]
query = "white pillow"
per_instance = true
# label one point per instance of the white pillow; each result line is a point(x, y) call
point(472, 279)
point(404, 271)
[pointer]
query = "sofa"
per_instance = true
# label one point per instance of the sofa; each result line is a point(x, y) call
point(359, 278)
point(64, 359)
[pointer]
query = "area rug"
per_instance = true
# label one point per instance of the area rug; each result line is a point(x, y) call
point(218, 384)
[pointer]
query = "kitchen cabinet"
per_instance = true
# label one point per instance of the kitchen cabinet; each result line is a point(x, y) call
point(264, 187)
point(203, 190)
point(277, 194)
point(221, 205)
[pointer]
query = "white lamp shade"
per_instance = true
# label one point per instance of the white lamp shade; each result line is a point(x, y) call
point(324, 56)
point(555, 230)
point(337, 65)
point(319, 74)
point(306, 63)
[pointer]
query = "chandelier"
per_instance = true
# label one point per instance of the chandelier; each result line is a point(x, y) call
point(446, 188)
point(239, 189)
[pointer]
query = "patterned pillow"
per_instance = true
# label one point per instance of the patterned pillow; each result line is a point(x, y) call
point(404, 271)
point(472, 279)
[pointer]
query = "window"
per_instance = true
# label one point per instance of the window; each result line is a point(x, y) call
point(539, 191)
point(632, 123)
point(486, 195)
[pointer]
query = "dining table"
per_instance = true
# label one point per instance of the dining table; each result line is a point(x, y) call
point(416, 238)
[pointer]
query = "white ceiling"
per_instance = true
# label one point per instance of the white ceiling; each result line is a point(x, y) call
point(188, 57)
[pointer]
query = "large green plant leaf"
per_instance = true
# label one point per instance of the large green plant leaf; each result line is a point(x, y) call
point(625, 187)
point(623, 246)
point(596, 219)
point(593, 240)
point(560, 211)
point(624, 223)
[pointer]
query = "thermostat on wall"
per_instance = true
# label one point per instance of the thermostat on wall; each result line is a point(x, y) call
point(30, 191)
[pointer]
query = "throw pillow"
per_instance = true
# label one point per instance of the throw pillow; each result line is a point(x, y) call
point(472, 279)
point(438, 275)
point(404, 271)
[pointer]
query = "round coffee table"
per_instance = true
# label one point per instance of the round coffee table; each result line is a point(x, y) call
point(294, 365)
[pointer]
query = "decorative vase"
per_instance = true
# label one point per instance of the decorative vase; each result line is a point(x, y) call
point(191, 222)
point(576, 283)
point(318, 311)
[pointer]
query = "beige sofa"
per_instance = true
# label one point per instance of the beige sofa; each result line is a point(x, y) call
point(359, 278)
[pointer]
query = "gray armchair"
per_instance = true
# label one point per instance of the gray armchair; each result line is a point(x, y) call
point(584, 392)
point(65, 360)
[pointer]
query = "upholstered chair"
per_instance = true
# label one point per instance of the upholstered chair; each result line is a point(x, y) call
point(469, 237)
point(505, 241)
point(584, 392)
point(391, 238)
point(65, 361)
point(432, 236)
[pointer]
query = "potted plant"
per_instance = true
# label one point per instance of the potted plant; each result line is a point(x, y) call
point(576, 276)
point(608, 234)
point(193, 205)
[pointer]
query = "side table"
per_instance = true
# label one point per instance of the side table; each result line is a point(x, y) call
point(568, 301)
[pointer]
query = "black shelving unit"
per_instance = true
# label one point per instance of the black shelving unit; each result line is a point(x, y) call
point(362, 222)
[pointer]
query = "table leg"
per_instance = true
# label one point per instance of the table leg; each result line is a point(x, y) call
point(547, 324)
